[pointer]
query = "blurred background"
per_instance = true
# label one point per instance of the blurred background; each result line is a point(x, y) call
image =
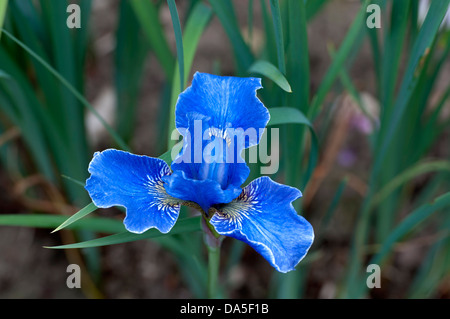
point(375, 172)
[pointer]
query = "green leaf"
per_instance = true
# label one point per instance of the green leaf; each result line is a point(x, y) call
point(425, 38)
point(244, 57)
point(80, 214)
point(269, 70)
point(339, 59)
point(298, 70)
point(3, 7)
point(276, 17)
point(147, 15)
point(130, 55)
point(287, 115)
point(69, 86)
point(414, 219)
point(178, 38)
point(290, 115)
point(196, 24)
point(95, 224)
point(407, 175)
point(313, 7)
point(4, 75)
point(182, 226)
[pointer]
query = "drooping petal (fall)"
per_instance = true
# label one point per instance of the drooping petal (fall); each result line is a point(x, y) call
point(263, 217)
point(119, 178)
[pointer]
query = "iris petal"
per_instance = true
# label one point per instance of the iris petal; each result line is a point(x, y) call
point(208, 170)
point(135, 182)
point(263, 217)
point(227, 101)
point(203, 192)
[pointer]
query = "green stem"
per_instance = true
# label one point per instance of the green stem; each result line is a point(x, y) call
point(213, 270)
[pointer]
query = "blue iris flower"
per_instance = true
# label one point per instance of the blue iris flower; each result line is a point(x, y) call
point(218, 118)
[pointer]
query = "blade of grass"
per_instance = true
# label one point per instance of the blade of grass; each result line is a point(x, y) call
point(15, 103)
point(424, 39)
point(178, 38)
point(129, 59)
point(346, 48)
point(3, 8)
point(415, 218)
point(298, 72)
point(434, 267)
point(182, 226)
point(95, 224)
point(313, 7)
point(270, 48)
point(287, 115)
point(81, 39)
point(195, 25)
point(408, 175)
point(4, 75)
point(63, 58)
point(243, 55)
point(267, 69)
point(80, 214)
point(79, 183)
point(147, 15)
point(392, 55)
point(277, 25)
point(30, 28)
point(83, 101)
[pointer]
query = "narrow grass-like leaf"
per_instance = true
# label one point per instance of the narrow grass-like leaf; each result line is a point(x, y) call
point(178, 38)
point(182, 226)
point(3, 7)
point(278, 27)
point(415, 218)
point(195, 25)
point(407, 175)
point(393, 50)
point(424, 40)
point(287, 115)
point(270, 52)
point(80, 214)
point(147, 15)
point(298, 71)
point(62, 52)
point(4, 75)
point(83, 101)
point(269, 70)
point(339, 60)
point(79, 183)
point(130, 54)
point(94, 224)
point(313, 7)
point(333, 206)
point(434, 267)
point(244, 57)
